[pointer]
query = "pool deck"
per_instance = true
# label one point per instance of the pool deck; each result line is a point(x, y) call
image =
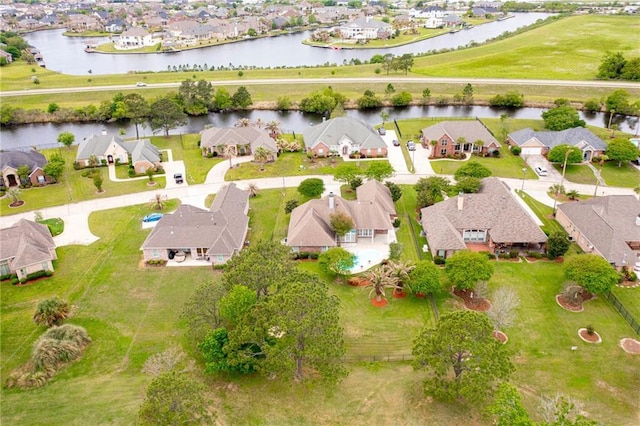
point(381, 248)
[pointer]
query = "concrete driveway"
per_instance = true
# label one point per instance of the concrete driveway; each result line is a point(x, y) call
point(394, 153)
point(539, 161)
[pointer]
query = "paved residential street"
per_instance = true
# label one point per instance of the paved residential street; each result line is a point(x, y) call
point(76, 215)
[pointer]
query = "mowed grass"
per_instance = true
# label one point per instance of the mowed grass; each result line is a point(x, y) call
point(570, 48)
point(544, 213)
point(132, 312)
point(129, 311)
point(577, 173)
point(626, 175)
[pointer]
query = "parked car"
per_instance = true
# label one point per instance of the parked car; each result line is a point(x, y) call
point(411, 146)
point(541, 171)
point(382, 131)
point(152, 217)
point(141, 84)
point(396, 142)
point(178, 178)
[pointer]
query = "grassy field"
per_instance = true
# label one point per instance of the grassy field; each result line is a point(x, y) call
point(577, 173)
point(626, 176)
point(544, 213)
point(525, 56)
point(132, 312)
point(570, 48)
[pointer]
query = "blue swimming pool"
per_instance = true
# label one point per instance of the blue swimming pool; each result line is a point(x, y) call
point(365, 259)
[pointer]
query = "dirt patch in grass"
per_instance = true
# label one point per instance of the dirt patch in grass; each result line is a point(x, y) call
point(630, 346)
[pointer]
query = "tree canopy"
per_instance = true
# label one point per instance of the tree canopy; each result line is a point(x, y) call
point(557, 154)
point(473, 169)
point(66, 139)
point(175, 398)
point(337, 261)
point(311, 187)
point(464, 359)
point(557, 244)
point(592, 272)
point(166, 114)
point(622, 150)
point(562, 117)
point(425, 278)
point(465, 268)
point(379, 170)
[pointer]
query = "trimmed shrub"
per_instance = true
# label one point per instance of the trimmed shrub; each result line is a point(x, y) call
point(516, 150)
point(439, 260)
point(514, 254)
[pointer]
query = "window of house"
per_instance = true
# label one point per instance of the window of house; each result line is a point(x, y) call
point(365, 232)
point(443, 151)
point(441, 253)
point(5, 268)
point(220, 258)
point(44, 266)
point(443, 142)
point(155, 253)
point(40, 179)
point(349, 237)
point(474, 235)
point(320, 151)
point(476, 147)
point(379, 150)
point(457, 147)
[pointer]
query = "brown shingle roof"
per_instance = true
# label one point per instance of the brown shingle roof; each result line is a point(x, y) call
point(608, 223)
point(471, 131)
point(221, 230)
point(493, 209)
point(26, 243)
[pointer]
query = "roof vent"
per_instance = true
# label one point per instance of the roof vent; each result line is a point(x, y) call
point(638, 220)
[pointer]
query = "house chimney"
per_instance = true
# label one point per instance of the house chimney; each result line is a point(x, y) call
point(332, 202)
point(104, 132)
point(638, 220)
point(460, 200)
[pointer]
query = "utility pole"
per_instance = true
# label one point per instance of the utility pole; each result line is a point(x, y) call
point(564, 169)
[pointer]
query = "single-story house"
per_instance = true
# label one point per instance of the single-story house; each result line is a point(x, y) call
point(345, 136)
point(25, 248)
point(111, 149)
point(10, 161)
point(310, 224)
point(457, 137)
point(539, 143)
point(608, 226)
point(212, 236)
point(246, 140)
point(491, 217)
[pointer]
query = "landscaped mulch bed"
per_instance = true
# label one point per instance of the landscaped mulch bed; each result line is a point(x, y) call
point(473, 303)
point(630, 346)
point(589, 338)
point(379, 303)
point(358, 282)
point(572, 307)
point(500, 336)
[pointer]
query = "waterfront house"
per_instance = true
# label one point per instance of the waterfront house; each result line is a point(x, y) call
point(491, 219)
point(454, 138)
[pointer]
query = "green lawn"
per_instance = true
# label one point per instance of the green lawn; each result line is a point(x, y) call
point(626, 176)
point(411, 242)
point(272, 226)
point(577, 173)
point(72, 187)
point(132, 312)
point(544, 213)
point(630, 298)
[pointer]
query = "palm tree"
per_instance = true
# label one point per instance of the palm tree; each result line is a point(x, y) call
point(51, 312)
point(573, 194)
point(230, 151)
point(158, 201)
point(14, 194)
point(273, 127)
point(261, 155)
point(379, 280)
point(259, 123)
point(399, 270)
point(243, 122)
point(253, 189)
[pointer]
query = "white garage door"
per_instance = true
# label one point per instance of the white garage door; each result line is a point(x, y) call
point(531, 151)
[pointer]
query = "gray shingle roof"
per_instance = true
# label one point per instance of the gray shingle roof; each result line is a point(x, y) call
point(96, 145)
point(471, 131)
point(334, 131)
point(221, 230)
point(142, 150)
point(26, 243)
point(15, 159)
point(608, 223)
point(578, 136)
point(493, 209)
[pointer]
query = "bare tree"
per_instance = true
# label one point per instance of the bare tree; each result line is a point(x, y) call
point(560, 409)
point(163, 362)
point(503, 308)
